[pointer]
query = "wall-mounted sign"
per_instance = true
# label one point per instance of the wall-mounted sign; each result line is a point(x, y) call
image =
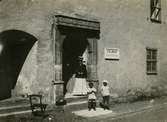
point(111, 53)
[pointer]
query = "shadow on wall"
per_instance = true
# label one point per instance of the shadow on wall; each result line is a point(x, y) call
point(14, 48)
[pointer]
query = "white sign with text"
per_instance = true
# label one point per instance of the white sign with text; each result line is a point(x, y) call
point(111, 53)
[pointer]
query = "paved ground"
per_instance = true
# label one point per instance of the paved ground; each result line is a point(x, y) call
point(86, 113)
point(143, 111)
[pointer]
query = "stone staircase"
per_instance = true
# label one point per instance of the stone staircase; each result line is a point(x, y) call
point(21, 105)
point(14, 106)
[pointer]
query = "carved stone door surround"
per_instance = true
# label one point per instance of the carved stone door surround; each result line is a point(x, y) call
point(61, 28)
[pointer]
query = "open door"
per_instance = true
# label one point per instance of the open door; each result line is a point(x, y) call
point(74, 45)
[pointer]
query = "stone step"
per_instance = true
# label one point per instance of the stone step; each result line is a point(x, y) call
point(25, 108)
point(20, 106)
point(13, 106)
point(70, 98)
point(14, 102)
point(76, 105)
point(11, 109)
point(14, 111)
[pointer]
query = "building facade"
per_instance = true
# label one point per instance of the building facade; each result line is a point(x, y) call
point(122, 41)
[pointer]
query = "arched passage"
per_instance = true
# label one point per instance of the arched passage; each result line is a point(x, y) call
point(14, 48)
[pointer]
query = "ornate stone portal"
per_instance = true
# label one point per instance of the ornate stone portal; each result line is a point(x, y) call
point(64, 26)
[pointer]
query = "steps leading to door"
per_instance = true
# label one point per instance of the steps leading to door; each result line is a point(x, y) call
point(71, 98)
point(14, 101)
point(14, 106)
point(21, 105)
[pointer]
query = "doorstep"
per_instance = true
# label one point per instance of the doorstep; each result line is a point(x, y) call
point(71, 98)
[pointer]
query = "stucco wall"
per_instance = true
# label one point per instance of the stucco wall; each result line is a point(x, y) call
point(124, 24)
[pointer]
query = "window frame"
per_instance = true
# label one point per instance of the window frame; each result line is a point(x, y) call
point(153, 7)
point(153, 69)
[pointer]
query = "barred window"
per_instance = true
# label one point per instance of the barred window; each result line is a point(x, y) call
point(151, 61)
point(155, 11)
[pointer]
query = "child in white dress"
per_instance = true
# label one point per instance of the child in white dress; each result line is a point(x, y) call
point(105, 91)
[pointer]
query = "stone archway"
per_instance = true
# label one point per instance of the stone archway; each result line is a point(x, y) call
point(14, 48)
point(65, 26)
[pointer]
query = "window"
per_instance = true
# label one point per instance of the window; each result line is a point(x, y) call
point(155, 11)
point(151, 62)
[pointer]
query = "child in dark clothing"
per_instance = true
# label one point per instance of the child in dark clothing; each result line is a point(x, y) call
point(91, 97)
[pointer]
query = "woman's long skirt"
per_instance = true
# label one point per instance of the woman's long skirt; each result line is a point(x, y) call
point(80, 87)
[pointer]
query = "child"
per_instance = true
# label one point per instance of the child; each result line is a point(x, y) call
point(105, 94)
point(91, 97)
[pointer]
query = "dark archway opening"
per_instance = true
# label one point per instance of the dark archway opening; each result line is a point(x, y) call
point(74, 45)
point(14, 48)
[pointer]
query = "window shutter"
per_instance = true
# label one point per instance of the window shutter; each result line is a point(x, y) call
point(155, 10)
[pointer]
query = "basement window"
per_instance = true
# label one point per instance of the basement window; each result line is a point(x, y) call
point(155, 11)
point(151, 61)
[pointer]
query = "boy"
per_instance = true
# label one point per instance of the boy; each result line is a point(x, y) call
point(91, 97)
point(105, 91)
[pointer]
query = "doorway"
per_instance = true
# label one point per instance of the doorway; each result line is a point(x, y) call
point(73, 37)
point(74, 45)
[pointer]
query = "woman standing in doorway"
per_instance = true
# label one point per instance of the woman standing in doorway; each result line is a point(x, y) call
point(80, 86)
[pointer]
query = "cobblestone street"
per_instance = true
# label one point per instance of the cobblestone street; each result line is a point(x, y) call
point(142, 111)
